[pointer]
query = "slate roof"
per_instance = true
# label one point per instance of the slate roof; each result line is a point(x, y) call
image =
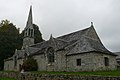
point(32, 50)
point(82, 41)
point(79, 42)
point(19, 53)
point(74, 35)
point(118, 55)
point(86, 44)
point(40, 45)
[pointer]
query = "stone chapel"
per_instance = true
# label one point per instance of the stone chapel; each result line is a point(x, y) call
point(77, 51)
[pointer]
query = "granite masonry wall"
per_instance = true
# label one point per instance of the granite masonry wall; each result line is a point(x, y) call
point(32, 76)
point(91, 62)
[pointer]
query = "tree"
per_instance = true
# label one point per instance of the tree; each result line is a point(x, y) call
point(4, 22)
point(9, 40)
point(30, 65)
point(38, 35)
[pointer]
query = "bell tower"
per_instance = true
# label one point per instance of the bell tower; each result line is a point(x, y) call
point(28, 31)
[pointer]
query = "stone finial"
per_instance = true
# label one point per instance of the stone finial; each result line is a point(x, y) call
point(91, 23)
point(51, 36)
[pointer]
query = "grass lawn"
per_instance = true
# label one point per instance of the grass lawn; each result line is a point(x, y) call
point(6, 79)
point(100, 73)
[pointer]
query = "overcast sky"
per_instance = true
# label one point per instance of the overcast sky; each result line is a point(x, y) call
point(59, 17)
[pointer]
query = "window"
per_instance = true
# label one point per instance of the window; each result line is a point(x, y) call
point(25, 33)
point(78, 62)
point(50, 55)
point(31, 33)
point(106, 61)
point(25, 56)
point(15, 61)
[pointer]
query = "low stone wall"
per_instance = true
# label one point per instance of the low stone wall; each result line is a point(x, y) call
point(32, 76)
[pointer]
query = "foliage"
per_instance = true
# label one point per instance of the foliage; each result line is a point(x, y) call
point(9, 40)
point(38, 35)
point(30, 65)
point(4, 22)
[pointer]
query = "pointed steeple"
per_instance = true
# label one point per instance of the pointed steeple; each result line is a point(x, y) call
point(28, 31)
point(30, 19)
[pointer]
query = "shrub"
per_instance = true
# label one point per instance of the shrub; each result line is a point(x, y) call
point(30, 65)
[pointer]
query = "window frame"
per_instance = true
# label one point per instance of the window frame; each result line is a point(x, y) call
point(78, 62)
point(106, 61)
point(15, 61)
point(50, 55)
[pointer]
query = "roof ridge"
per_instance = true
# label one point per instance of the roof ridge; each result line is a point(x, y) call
point(73, 32)
point(37, 43)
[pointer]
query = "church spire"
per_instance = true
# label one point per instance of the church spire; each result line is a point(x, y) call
point(29, 31)
point(30, 19)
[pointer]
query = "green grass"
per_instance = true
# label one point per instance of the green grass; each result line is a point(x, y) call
point(7, 79)
point(98, 73)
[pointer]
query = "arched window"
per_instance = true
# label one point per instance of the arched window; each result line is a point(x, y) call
point(50, 55)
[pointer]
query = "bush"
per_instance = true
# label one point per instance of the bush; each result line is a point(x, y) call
point(30, 65)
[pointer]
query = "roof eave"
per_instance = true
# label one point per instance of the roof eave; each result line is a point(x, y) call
point(107, 53)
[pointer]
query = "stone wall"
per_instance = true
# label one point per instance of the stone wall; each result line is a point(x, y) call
point(91, 62)
point(86, 62)
point(19, 62)
point(9, 65)
point(60, 61)
point(58, 65)
point(99, 62)
point(41, 60)
point(32, 76)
